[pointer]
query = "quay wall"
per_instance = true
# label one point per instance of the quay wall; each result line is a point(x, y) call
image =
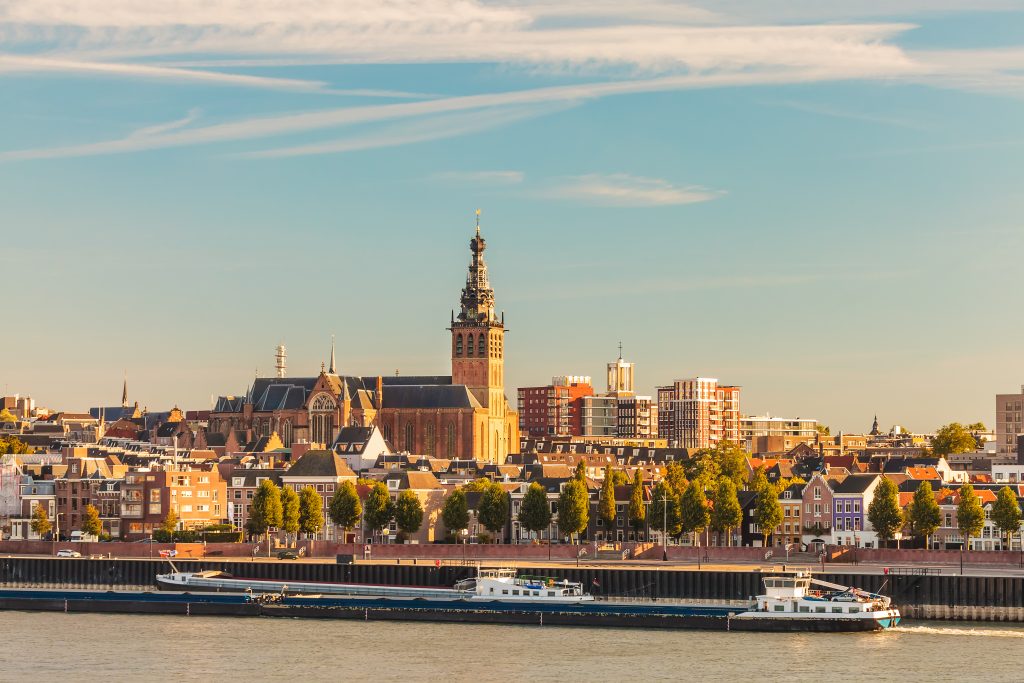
point(983, 598)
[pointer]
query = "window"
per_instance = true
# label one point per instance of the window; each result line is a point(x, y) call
point(428, 439)
point(321, 419)
point(469, 346)
point(458, 345)
point(451, 440)
point(817, 493)
point(480, 347)
point(409, 437)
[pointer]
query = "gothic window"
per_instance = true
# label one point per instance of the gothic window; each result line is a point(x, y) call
point(409, 437)
point(451, 440)
point(286, 433)
point(469, 346)
point(428, 439)
point(321, 419)
point(458, 345)
point(387, 433)
point(481, 347)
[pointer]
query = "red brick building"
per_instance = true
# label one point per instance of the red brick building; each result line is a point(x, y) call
point(197, 496)
point(555, 409)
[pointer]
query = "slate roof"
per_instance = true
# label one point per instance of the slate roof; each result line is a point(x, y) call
point(429, 396)
point(855, 483)
point(320, 464)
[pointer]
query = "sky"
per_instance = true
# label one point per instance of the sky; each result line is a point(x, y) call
point(817, 201)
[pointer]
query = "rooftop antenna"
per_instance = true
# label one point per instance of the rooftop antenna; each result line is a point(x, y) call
point(620, 350)
point(281, 360)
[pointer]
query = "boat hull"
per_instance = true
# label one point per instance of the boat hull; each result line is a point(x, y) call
point(599, 614)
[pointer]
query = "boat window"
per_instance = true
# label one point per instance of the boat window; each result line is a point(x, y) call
point(504, 592)
point(838, 610)
point(780, 608)
point(819, 609)
point(551, 594)
point(536, 593)
point(492, 590)
point(854, 609)
point(515, 592)
point(805, 608)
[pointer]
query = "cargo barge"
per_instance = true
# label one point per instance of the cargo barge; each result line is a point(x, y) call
point(787, 605)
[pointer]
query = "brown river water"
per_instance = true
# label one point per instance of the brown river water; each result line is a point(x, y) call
point(90, 647)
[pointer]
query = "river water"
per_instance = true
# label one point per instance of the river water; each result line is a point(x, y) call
point(42, 646)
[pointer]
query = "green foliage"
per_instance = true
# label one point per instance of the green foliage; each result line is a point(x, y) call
point(311, 510)
point(970, 516)
point(91, 523)
point(162, 535)
point(265, 511)
point(1006, 513)
point(785, 482)
point(170, 523)
point(408, 513)
point(581, 471)
point(379, 507)
point(884, 511)
point(345, 507)
point(455, 513)
point(493, 509)
point(289, 510)
point(40, 521)
point(7, 416)
point(977, 427)
point(732, 461)
point(824, 430)
point(694, 508)
point(665, 509)
point(758, 479)
point(727, 513)
point(703, 467)
point(12, 444)
point(573, 507)
point(637, 509)
point(606, 506)
point(923, 514)
point(619, 478)
point(767, 511)
point(675, 478)
point(953, 438)
point(535, 513)
point(478, 485)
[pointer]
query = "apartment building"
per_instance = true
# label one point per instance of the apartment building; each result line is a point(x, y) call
point(698, 412)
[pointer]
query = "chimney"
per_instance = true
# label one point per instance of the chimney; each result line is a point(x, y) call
point(380, 392)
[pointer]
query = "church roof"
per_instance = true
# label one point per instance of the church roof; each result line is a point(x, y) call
point(320, 463)
point(430, 396)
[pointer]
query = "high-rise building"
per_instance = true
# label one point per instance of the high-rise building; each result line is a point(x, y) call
point(698, 413)
point(555, 409)
point(1008, 426)
point(637, 418)
point(620, 377)
point(600, 416)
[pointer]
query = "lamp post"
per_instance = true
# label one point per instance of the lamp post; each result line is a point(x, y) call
point(898, 536)
point(664, 527)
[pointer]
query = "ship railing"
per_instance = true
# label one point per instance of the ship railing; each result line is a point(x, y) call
point(634, 600)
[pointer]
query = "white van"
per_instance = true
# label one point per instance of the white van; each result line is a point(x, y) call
point(82, 537)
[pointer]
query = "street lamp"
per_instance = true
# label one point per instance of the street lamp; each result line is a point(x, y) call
point(898, 536)
point(664, 527)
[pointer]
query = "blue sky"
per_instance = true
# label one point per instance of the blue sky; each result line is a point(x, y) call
point(819, 203)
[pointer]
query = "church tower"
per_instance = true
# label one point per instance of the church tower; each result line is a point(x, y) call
point(478, 360)
point(478, 335)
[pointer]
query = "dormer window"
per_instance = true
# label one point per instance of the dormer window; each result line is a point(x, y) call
point(393, 484)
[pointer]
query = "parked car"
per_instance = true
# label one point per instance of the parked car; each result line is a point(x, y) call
point(287, 555)
point(68, 553)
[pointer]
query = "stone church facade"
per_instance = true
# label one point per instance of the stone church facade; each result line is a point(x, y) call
point(465, 415)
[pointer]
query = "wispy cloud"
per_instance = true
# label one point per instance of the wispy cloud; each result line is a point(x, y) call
point(833, 112)
point(161, 128)
point(620, 189)
point(481, 177)
point(420, 130)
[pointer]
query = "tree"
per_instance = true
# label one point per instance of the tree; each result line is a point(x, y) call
point(535, 513)
point(265, 511)
point(408, 513)
point(924, 515)
point(170, 523)
point(573, 508)
point(665, 513)
point(675, 477)
point(970, 516)
point(581, 471)
point(732, 461)
point(345, 508)
point(379, 508)
point(7, 416)
point(478, 485)
point(620, 478)
point(455, 513)
point(702, 466)
point(637, 509)
point(1006, 513)
point(824, 430)
point(40, 521)
point(12, 444)
point(311, 510)
point(727, 513)
point(606, 506)
point(884, 511)
point(953, 438)
point(289, 510)
point(694, 509)
point(758, 479)
point(493, 509)
point(977, 427)
point(91, 523)
point(767, 511)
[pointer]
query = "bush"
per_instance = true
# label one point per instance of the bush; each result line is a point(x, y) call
point(162, 536)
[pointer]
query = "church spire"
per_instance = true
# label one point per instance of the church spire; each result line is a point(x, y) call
point(334, 369)
point(477, 302)
point(124, 392)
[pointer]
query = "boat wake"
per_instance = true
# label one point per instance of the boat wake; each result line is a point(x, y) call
point(953, 631)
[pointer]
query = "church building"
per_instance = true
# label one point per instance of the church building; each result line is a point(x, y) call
point(464, 415)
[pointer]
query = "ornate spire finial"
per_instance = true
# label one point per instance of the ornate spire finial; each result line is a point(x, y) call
point(124, 391)
point(334, 368)
point(478, 222)
point(321, 366)
point(620, 350)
